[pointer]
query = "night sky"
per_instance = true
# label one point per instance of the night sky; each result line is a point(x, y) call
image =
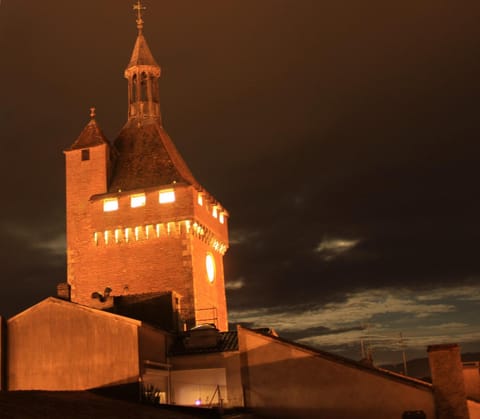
point(343, 137)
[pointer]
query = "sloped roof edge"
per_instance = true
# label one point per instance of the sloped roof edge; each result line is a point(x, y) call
point(177, 158)
point(74, 306)
point(341, 360)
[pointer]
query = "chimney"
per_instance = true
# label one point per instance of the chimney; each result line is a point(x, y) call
point(447, 379)
point(3, 354)
point(63, 291)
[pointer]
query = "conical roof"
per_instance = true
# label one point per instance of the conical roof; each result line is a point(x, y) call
point(146, 158)
point(91, 136)
point(141, 55)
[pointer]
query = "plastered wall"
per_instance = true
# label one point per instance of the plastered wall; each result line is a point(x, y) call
point(282, 380)
point(57, 345)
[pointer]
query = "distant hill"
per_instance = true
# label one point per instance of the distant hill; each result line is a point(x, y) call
point(419, 368)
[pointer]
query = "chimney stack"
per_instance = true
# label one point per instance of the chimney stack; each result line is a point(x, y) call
point(447, 379)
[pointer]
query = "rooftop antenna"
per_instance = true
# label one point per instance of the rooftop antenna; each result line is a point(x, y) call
point(366, 346)
point(402, 344)
point(362, 348)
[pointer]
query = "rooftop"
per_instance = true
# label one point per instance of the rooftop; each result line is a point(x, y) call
point(91, 136)
point(147, 157)
point(141, 55)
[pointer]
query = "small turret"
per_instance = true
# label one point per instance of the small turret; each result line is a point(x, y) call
point(142, 74)
point(87, 165)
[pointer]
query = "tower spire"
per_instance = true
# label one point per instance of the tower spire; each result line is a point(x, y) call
point(142, 74)
point(139, 8)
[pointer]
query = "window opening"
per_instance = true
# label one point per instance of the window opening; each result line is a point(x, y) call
point(110, 204)
point(167, 196)
point(143, 87)
point(85, 154)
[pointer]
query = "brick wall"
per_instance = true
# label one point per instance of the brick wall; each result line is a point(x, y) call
point(209, 294)
point(83, 179)
point(153, 248)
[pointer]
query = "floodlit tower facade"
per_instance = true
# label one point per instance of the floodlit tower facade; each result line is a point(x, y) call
point(138, 222)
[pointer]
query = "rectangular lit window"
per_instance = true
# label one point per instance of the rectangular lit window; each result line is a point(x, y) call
point(138, 200)
point(110, 204)
point(215, 212)
point(157, 228)
point(117, 235)
point(166, 196)
point(221, 218)
point(105, 236)
point(200, 199)
point(127, 234)
point(137, 233)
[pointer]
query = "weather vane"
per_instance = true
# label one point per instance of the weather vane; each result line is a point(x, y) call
point(139, 8)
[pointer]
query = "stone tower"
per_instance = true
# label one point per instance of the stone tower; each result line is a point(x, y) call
point(138, 222)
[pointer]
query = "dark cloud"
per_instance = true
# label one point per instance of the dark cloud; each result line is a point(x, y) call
point(310, 121)
point(32, 265)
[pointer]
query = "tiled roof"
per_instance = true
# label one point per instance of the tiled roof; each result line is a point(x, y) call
point(147, 157)
point(141, 54)
point(91, 136)
point(228, 342)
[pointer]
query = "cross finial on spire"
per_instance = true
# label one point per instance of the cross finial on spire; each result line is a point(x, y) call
point(139, 8)
point(92, 112)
